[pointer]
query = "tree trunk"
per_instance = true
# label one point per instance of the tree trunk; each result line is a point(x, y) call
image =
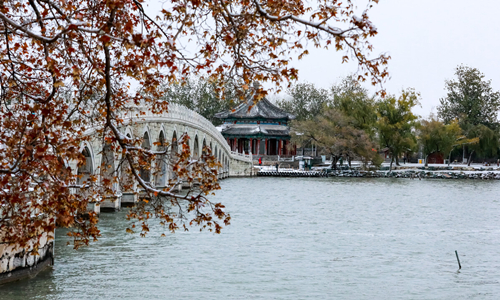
point(470, 158)
point(427, 160)
point(334, 162)
point(449, 159)
point(392, 160)
point(349, 161)
point(397, 161)
point(463, 153)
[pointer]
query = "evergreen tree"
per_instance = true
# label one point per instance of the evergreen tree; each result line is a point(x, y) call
point(306, 101)
point(470, 100)
point(352, 99)
point(204, 97)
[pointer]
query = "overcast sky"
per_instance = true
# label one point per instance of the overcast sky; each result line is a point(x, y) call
point(427, 40)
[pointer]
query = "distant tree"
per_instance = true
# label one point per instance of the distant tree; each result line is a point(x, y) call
point(435, 136)
point(183, 93)
point(396, 123)
point(487, 142)
point(352, 100)
point(335, 135)
point(306, 101)
point(211, 99)
point(470, 100)
point(205, 97)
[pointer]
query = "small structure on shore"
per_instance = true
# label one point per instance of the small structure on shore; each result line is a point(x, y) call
point(435, 158)
point(257, 128)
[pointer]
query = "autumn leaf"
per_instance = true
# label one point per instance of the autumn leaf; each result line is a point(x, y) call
point(58, 84)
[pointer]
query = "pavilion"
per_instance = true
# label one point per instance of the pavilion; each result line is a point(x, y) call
point(259, 129)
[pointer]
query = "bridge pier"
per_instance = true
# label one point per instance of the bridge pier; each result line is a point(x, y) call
point(129, 199)
point(94, 207)
point(111, 204)
point(186, 185)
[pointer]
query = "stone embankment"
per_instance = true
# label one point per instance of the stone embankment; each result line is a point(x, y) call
point(17, 263)
point(423, 173)
point(293, 173)
point(400, 172)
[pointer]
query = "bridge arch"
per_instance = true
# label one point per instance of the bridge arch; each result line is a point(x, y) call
point(108, 165)
point(128, 132)
point(174, 144)
point(204, 147)
point(127, 183)
point(144, 171)
point(86, 168)
point(164, 129)
point(161, 165)
point(196, 148)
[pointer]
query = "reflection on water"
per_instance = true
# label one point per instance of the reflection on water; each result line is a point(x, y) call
point(296, 238)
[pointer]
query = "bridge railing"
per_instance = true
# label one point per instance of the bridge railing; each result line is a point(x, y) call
point(180, 112)
point(242, 156)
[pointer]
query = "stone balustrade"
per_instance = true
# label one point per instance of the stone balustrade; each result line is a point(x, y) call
point(180, 113)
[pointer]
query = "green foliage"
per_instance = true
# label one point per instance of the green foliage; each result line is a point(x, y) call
point(470, 99)
point(352, 100)
point(396, 122)
point(336, 135)
point(487, 145)
point(204, 97)
point(435, 136)
point(306, 101)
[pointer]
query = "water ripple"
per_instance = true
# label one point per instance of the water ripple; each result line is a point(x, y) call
point(295, 238)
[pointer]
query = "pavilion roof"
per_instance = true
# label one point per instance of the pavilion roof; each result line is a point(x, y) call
point(250, 130)
point(263, 109)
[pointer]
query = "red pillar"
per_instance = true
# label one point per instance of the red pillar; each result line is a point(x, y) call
point(265, 147)
point(279, 147)
point(237, 144)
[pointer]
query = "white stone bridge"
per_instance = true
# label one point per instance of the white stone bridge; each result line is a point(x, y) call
point(157, 131)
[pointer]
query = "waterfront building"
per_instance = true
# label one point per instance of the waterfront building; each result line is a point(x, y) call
point(257, 128)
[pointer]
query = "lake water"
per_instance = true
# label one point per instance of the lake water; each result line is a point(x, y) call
point(296, 238)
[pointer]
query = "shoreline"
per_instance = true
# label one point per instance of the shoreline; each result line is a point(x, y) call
point(410, 172)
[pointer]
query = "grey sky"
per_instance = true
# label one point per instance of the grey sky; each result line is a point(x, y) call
point(426, 39)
